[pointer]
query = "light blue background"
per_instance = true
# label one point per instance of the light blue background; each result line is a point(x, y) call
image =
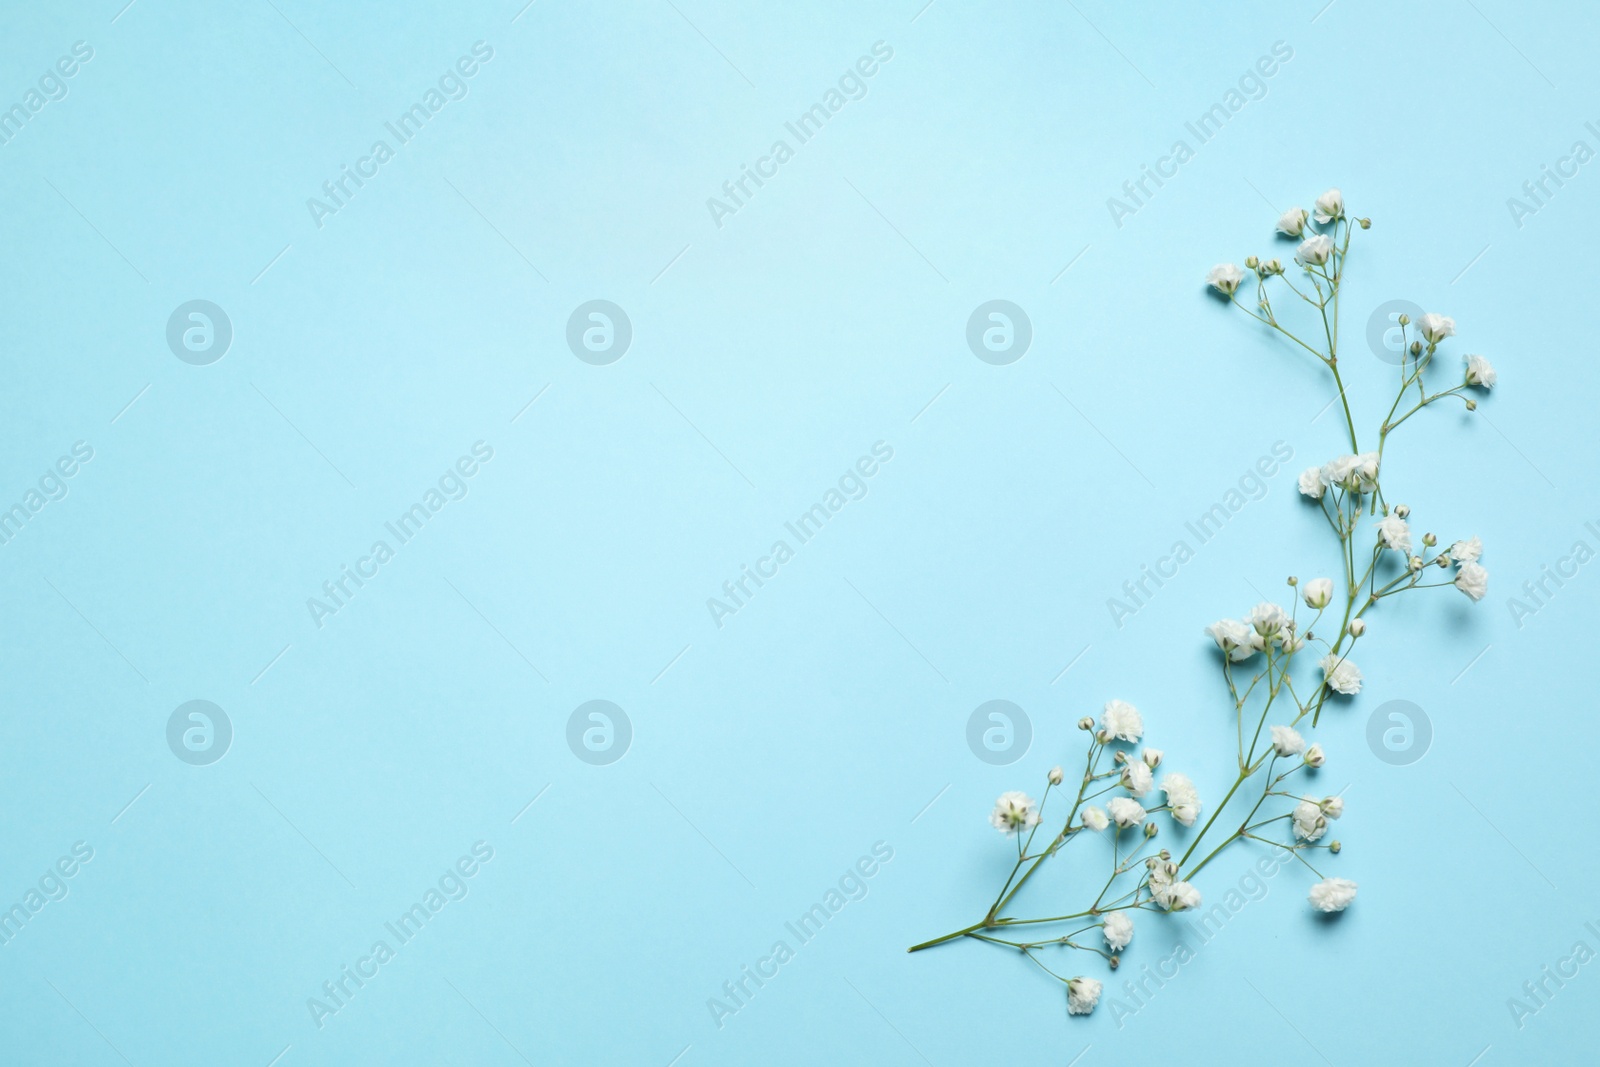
point(768, 355)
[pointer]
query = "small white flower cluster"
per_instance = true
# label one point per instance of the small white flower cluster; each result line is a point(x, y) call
point(1082, 995)
point(1345, 488)
point(1435, 329)
point(1340, 675)
point(1120, 721)
point(1471, 577)
point(1332, 894)
point(1315, 253)
point(1018, 815)
point(1268, 627)
point(1165, 889)
point(1014, 812)
point(1310, 817)
point(1183, 800)
point(1259, 651)
point(1118, 930)
point(1353, 474)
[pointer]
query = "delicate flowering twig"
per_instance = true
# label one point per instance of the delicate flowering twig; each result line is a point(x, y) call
point(1271, 750)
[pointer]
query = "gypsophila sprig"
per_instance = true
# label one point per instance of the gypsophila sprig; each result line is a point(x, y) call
point(1283, 665)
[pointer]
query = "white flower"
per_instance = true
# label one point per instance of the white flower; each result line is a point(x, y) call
point(1014, 811)
point(1311, 482)
point(1332, 807)
point(1225, 278)
point(1353, 473)
point(1472, 580)
point(1125, 811)
point(1394, 532)
point(1293, 222)
point(1329, 206)
point(1341, 675)
point(1481, 372)
point(1436, 328)
point(1182, 798)
point(1082, 995)
point(1309, 823)
point(1318, 593)
point(1468, 551)
point(1162, 872)
point(1341, 471)
point(1314, 251)
point(1121, 721)
point(1056, 774)
point(1179, 896)
point(1292, 639)
point(1332, 894)
point(1152, 757)
point(1286, 741)
point(1239, 641)
point(1118, 929)
point(1095, 819)
point(1314, 756)
point(1136, 778)
point(1268, 619)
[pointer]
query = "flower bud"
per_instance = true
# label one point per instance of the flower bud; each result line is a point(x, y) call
point(1429, 539)
point(1273, 266)
point(1086, 723)
point(1366, 224)
point(1416, 348)
point(1150, 830)
point(1164, 854)
point(1472, 405)
point(1115, 962)
point(1152, 757)
point(1415, 563)
point(1402, 511)
point(1358, 627)
point(1056, 775)
point(1293, 580)
point(1120, 758)
point(1314, 756)
point(1442, 561)
point(1405, 320)
point(1335, 847)
point(1252, 262)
